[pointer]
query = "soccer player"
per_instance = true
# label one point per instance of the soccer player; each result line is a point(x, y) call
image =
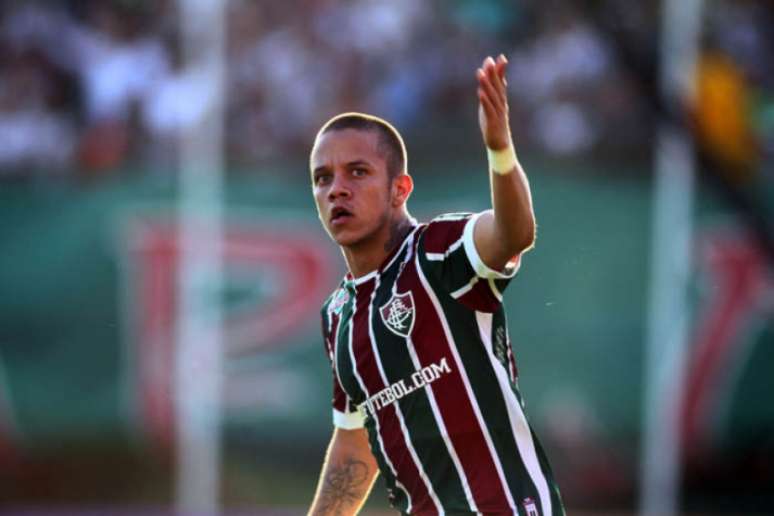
point(424, 379)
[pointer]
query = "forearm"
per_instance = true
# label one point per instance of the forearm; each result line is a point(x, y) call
point(347, 475)
point(514, 218)
point(510, 228)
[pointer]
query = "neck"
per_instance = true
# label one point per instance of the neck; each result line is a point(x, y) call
point(366, 257)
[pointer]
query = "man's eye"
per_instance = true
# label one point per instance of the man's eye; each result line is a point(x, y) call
point(359, 172)
point(322, 179)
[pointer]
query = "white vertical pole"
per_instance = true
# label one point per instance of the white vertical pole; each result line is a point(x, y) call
point(672, 241)
point(199, 368)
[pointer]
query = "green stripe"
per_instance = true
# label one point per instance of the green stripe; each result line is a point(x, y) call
point(343, 359)
point(557, 507)
point(489, 396)
point(464, 329)
point(452, 273)
point(455, 271)
point(415, 407)
point(399, 500)
point(352, 385)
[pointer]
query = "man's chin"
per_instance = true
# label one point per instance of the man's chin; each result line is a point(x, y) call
point(345, 238)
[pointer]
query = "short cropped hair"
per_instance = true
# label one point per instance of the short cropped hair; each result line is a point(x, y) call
point(390, 141)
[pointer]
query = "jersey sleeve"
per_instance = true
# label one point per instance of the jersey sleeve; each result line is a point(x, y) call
point(449, 254)
point(346, 414)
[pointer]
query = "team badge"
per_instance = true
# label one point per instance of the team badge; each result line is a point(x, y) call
point(398, 314)
point(341, 298)
point(530, 508)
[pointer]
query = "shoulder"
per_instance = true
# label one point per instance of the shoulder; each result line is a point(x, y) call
point(444, 231)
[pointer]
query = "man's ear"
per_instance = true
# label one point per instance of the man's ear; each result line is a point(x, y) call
point(402, 186)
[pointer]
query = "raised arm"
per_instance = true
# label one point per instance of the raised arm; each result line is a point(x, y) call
point(509, 228)
point(347, 475)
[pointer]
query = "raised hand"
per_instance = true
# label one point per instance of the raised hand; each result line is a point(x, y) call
point(493, 103)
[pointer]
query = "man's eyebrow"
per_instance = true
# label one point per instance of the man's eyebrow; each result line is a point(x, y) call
point(349, 164)
point(358, 162)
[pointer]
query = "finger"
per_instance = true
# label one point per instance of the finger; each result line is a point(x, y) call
point(486, 85)
point(494, 76)
point(489, 109)
point(494, 70)
point(502, 64)
point(490, 67)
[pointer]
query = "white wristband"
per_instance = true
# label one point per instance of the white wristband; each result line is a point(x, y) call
point(502, 161)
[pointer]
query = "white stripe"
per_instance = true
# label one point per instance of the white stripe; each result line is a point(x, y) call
point(466, 382)
point(519, 425)
point(494, 290)
point(450, 217)
point(438, 257)
point(439, 420)
point(330, 315)
point(465, 289)
point(328, 349)
point(376, 419)
point(444, 432)
point(475, 260)
point(511, 364)
point(404, 429)
point(363, 279)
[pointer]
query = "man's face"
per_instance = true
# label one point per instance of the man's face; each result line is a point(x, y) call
point(350, 185)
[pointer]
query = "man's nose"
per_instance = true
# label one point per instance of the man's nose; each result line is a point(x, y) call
point(339, 187)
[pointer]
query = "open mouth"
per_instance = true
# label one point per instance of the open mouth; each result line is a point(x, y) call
point(340, 214)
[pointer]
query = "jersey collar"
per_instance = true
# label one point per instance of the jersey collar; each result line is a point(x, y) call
point(388, 260)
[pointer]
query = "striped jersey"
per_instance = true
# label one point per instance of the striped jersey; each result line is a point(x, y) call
point(422, 359)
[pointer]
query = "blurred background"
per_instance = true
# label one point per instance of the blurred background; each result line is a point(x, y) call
point(643, 321)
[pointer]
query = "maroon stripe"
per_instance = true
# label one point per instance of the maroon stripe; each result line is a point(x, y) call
point(389, 424)
point(480, 297)
point(440, 235)
point(453, 403)
point(361, 340)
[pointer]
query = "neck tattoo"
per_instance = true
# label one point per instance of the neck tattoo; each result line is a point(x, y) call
point(398, 232)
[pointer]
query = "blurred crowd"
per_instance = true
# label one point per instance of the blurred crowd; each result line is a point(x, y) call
point(91, 86)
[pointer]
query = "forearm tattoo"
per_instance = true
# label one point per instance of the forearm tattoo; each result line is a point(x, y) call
point(344, 486)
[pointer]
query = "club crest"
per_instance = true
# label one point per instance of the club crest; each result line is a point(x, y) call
point(398, 314)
